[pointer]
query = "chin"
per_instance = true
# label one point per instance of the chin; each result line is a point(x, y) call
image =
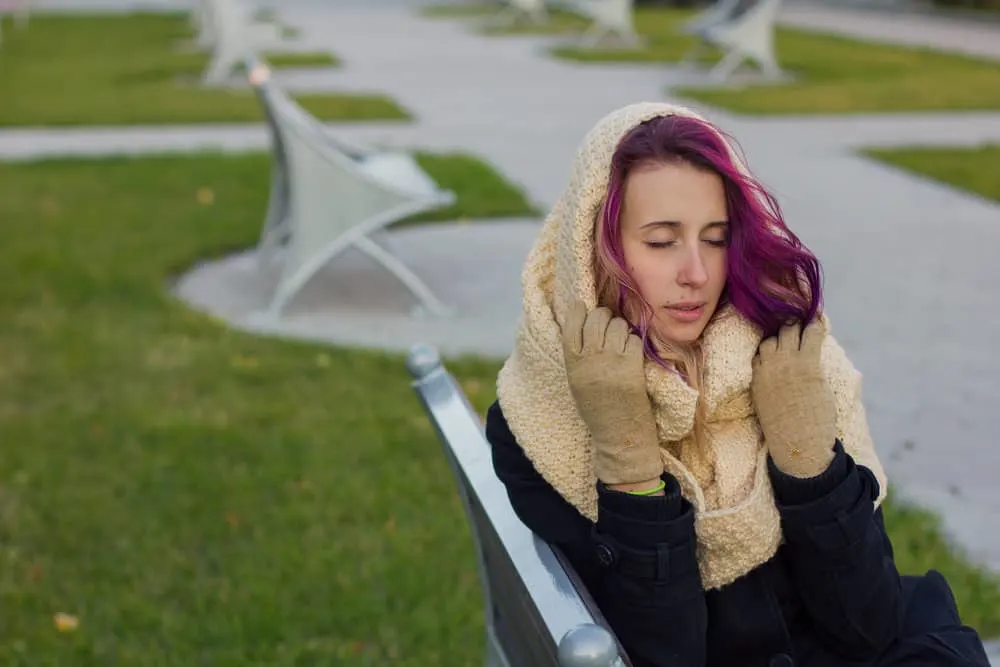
point(687, 337)
point(682, 334)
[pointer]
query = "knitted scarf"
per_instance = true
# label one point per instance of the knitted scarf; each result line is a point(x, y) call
point(736, 521)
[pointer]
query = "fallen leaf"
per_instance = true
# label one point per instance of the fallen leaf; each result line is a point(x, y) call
point(65, 622)
point(205, 196)
point(244, 362)
point(232, 519)
point(50, 206)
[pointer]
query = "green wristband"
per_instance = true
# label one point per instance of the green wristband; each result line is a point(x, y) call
point(648, 492)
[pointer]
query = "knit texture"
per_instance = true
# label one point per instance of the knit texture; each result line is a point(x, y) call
point(736, 521)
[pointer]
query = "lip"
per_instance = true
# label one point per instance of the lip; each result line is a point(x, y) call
point(684, 312)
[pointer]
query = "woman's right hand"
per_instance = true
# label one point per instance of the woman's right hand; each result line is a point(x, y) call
point(604, 366)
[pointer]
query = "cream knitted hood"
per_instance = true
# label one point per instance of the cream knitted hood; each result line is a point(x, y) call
point(737, 523)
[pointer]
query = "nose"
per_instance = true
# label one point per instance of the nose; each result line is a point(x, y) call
point(693, 272)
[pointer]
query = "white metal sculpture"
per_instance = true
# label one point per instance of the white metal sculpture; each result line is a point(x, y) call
point(743, 30)
point(608, 18)
point(20, 12)
point(232, 33)
point(327, 197)
point(202, 19)
point(717, 12)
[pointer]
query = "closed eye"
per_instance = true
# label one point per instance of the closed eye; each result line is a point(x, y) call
point(715, 243)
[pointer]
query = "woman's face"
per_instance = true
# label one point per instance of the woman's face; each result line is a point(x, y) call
point(674, 230)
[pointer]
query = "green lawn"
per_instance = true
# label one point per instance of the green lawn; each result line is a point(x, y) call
point(482, 192)
point(301, 59)
point(918, 545)
point(557, 22)
point(190, 495)
point(133, 69)
point(198, 496)
point(832, 74)
point(973, 169)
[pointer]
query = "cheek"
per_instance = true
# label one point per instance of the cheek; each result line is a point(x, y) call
point(652, 275)
point(717, 270)
point(633, 261)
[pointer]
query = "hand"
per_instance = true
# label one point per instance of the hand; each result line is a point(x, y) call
point(604, 366)
point(794, 405)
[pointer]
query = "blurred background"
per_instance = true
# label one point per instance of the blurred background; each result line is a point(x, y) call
point(225, 222)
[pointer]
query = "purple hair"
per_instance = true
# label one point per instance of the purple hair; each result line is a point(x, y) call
point(773, 279)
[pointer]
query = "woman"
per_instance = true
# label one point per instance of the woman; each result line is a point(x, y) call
point(677, 419)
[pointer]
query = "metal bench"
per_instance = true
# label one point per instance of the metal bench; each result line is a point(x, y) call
point(743, 30)
point(608, 18)
point(327, 196)
point(229, 29)
point(538, 614)
point(513, 11)
point(19, 10)
point(719, 11)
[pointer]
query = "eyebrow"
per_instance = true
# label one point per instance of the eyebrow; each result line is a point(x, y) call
point(673, 224)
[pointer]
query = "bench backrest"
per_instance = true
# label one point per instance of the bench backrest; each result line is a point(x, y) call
point(719, 13)
point(230, 19)
point(537, 612)
point(741, 8)
point(275, 231)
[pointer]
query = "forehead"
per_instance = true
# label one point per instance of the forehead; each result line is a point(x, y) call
point(675, 191)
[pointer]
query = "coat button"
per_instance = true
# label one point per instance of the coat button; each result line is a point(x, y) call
point(781, 660)
point(605, 555)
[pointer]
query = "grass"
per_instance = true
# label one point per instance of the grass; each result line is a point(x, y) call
point(557, 21)
point(971, 169)
point(832, 74)
point(129, 69)
point(481, 191)
point(190, 495)
point(302, 59)
point(195, 496)
point(918, 545)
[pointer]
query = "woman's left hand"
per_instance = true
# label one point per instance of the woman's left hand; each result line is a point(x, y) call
point(794, 404)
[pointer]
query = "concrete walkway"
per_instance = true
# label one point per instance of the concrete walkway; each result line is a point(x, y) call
point(910, 266)
point(936, 32)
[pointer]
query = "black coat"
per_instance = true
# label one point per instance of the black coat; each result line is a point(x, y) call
point(831, 596)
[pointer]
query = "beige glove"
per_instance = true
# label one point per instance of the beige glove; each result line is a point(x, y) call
point(794, 405)
point(604, 365)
